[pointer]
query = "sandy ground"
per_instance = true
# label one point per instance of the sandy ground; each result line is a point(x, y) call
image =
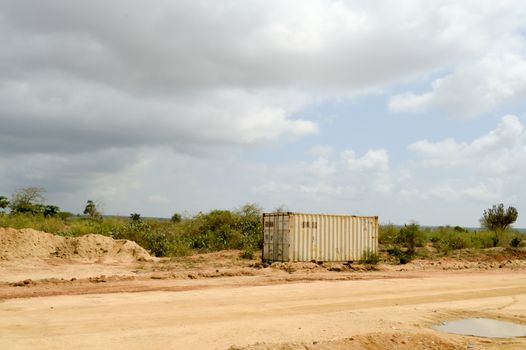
point(186, 304)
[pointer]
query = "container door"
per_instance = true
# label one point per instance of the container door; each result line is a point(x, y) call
point(281, 238)
point(268, 237)
point(276, 237)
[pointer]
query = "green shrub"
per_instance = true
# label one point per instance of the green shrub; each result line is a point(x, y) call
point(248, 253)
point(249, 224)
point(410, 236)
point(158, 243)
point(460, 229)
point(370, 257)
point(402, 257)
point(481, 239)
point(448, 239)
point(224, 229)
point(176, 217)
point(388, 234)
point(181, 247)
point(135, 216)
point(515, 241)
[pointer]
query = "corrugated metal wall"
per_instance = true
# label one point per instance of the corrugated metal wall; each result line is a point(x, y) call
point(318, 237)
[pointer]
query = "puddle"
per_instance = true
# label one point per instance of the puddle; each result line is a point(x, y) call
point(483, 327)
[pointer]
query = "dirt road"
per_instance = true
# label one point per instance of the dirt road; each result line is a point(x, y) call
point(377, 313)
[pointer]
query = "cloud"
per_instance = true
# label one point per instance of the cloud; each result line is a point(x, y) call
point(322, 166)
point(345, 177)
point(195, 76)
point(479, 192)
point(177, 46)
point(175, 68)
point(321, 151)
point(372, 160)
point(411, 192)
point(472, 89)
point(486, 169)
point(78, 117)
point(498, 152)
point(157, 199)
point(410, 102)
point(492, 71)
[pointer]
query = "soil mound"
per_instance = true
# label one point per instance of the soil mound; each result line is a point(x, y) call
point(29, 243)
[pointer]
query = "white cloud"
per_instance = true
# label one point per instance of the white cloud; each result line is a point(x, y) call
point(157, 199)
point(181, 73)
point(372, 160)
point(472, 89)
point(404, 192)
point(322, 166)
point(346, 177)
point(409, 102)
point(321, 151)
point(490, 168)
point(493, 70)
point(478, 192)
point(498, 152)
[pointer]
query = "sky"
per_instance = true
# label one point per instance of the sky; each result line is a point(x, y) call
point(408, 110)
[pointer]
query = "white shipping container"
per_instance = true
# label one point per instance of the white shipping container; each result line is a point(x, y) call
point(318, 237)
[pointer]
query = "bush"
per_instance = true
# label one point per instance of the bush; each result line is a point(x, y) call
point(481, 239)
point(403, 257)
point(410, 236)
point(388, 234)
point(370, 257)
point(135, 216)
point(249, 225)
point(248, 253)
point(176, 217)
point(213, 231)
point(224, 229)
point(166, 244)
point(37, 222)
point(64, 215)
point(515, 241)
point(446, 239)
point(158, 238)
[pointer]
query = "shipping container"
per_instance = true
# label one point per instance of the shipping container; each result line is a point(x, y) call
point(318, 237)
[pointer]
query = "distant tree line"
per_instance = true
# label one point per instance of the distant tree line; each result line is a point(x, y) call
point(28, 200)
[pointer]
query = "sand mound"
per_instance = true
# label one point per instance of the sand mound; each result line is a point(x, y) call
point(29, 243)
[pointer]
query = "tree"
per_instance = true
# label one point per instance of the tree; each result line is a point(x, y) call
point(497, 220)
point(50, 210)
point(251, 210)
point(135, 217)
point(249, 223)
point(91, 210)
point(4, 202)
point(176, 217)
point(27, 200)
point(410, 236)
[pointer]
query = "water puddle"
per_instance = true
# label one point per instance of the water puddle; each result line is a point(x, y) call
point(483, 327)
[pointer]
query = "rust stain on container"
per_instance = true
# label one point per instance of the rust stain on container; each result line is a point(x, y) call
point(320, 237)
